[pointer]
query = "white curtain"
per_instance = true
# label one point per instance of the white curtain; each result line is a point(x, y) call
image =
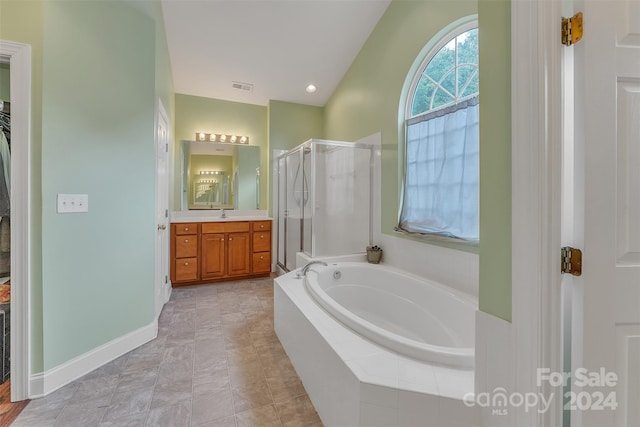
point(441, 190)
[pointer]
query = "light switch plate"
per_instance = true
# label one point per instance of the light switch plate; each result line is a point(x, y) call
point(71, 203)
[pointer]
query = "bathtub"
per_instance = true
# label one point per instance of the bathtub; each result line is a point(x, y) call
point(403, 313)
point(377, 346)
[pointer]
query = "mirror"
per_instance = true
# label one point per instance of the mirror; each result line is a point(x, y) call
point(220, 176)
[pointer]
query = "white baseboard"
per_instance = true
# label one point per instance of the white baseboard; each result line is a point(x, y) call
point(41, 384)
point(168, 287)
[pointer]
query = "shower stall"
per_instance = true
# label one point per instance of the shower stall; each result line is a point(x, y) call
point(324, 202)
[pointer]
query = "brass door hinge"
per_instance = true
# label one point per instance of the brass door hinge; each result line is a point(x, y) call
point(572, 29)
point(571, 261)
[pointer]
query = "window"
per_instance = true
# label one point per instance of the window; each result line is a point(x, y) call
point(441, 182)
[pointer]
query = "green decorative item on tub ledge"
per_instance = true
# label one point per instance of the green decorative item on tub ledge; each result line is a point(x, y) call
point(374, 254)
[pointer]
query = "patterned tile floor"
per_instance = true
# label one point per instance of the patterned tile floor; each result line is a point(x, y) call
point(216, 362)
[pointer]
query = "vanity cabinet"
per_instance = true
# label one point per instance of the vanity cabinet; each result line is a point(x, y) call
point(213, 251)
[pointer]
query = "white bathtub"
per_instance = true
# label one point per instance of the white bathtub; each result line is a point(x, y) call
point(403, 313)
point(377, 346)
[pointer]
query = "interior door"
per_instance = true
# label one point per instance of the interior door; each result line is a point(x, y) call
point(162, 287)
point(607, 153)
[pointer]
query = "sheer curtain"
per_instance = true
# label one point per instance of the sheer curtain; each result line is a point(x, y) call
point(441, 190)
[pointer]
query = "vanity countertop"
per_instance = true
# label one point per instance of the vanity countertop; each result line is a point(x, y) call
point(214, 216)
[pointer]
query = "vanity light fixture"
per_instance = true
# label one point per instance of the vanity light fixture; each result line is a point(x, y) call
point(221, 137)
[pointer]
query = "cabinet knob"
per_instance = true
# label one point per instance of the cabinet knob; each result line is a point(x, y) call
point(222, 240)
point(230, 239)
point(186, 263)
point(186, 229)
point(186, 240)
point(261, 257)
point(261, 225)
point(262, 236)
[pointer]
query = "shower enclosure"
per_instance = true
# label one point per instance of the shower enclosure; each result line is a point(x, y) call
point(324, 200)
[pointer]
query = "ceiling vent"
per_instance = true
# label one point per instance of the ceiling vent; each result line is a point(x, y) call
point(242, 86)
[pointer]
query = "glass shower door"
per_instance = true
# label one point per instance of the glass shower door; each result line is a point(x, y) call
point(296, 197)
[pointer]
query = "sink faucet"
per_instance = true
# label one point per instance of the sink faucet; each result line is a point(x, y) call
point(303, 270)
point(223, 214)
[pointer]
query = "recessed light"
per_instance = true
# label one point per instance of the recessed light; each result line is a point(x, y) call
point(311, 88)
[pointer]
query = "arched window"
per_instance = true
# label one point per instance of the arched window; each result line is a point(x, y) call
point(441, 170)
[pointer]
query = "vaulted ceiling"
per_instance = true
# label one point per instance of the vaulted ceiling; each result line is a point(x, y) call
point(274, 48)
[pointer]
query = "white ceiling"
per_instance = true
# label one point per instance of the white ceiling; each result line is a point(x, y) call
point(279, 46)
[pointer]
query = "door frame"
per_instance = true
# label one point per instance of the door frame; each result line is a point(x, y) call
point(18, 55)
point(537, 135)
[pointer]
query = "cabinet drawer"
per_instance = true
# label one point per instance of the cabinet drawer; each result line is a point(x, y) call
point(261, 225)
point(224, 227)
point(186, 245)
point(262, 262)
point(261, 241)
point(186, 269)
point(186, 228)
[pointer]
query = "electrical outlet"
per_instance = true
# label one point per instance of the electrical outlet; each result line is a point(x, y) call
point(70, 203)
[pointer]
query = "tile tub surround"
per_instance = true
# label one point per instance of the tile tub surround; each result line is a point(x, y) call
point(216, 362)
point(352, 381)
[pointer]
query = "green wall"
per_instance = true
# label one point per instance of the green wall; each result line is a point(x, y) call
point(292, 124)
point(98, 120)
point(5, 91)
point(495, 157)
point(197, 114)
point(369, 99)
point(94, 94)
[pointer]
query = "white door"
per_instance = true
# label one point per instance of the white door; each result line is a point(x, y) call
point(607, 138)
point(162, 288)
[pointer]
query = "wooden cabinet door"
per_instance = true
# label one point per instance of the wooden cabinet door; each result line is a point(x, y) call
point(262, 262)
point(238, 254)
point(213, 256)
point(185, 269)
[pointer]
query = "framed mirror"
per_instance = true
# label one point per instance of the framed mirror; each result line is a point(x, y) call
point(219, 176)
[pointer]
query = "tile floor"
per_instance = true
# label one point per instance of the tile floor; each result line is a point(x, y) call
point(216, 362)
